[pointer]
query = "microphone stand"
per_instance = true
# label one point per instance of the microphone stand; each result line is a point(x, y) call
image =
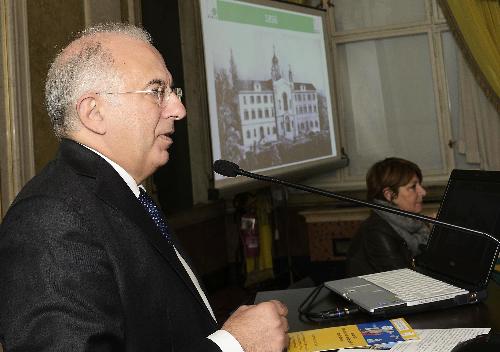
point(396, 211)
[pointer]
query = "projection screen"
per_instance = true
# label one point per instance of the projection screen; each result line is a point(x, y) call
point(269, 86)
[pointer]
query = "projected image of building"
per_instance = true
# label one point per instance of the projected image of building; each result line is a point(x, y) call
point(269, 122)
point(277, 109)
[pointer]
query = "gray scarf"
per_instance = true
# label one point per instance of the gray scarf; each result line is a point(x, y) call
point(414, 232)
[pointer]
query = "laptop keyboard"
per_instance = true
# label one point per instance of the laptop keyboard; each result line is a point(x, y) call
point(412, 287)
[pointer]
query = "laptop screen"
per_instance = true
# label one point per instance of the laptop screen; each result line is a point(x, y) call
point(471, 200)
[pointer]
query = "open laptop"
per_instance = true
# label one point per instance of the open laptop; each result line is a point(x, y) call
point(455, 268)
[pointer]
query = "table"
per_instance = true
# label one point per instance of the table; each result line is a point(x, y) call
point(485, 314)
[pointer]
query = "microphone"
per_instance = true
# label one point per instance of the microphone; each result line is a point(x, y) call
point(230, 169)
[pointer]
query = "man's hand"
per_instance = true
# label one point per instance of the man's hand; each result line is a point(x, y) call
point(262, 327)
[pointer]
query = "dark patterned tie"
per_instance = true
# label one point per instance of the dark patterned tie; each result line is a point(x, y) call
point(154, 212)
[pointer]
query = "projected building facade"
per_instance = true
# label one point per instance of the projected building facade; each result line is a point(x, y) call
point(277, 109)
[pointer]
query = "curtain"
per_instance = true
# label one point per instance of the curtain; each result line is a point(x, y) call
point(476, 26)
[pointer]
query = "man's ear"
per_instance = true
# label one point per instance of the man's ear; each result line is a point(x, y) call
point(389, 195)
point(88, 112)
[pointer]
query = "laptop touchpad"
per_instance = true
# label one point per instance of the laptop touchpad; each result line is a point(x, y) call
point(364, 293)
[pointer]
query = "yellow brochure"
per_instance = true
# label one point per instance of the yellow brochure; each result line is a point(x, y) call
point(377, 335)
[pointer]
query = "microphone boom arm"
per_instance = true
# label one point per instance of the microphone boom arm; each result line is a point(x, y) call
point(361, 202)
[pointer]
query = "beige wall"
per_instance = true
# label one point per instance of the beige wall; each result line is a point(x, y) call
point(31, 33)
point(50, 25)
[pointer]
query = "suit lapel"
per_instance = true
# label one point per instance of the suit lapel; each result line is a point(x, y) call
point(112, 189)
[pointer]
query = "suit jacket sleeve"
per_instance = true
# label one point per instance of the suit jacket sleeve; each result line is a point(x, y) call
point(58, 290)
point(54, 278)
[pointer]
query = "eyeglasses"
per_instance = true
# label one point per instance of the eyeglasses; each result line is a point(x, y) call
point(162, 93)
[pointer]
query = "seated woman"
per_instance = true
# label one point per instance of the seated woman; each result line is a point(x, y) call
point(387, 241)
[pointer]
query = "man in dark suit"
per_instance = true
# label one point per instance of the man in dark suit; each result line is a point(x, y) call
point(87, 262)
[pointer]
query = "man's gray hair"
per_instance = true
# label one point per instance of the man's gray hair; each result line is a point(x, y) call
point(90, 68)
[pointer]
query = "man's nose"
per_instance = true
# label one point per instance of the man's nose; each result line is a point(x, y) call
point(174, 108)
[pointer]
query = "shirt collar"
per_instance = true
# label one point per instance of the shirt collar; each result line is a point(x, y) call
point(129, 180)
